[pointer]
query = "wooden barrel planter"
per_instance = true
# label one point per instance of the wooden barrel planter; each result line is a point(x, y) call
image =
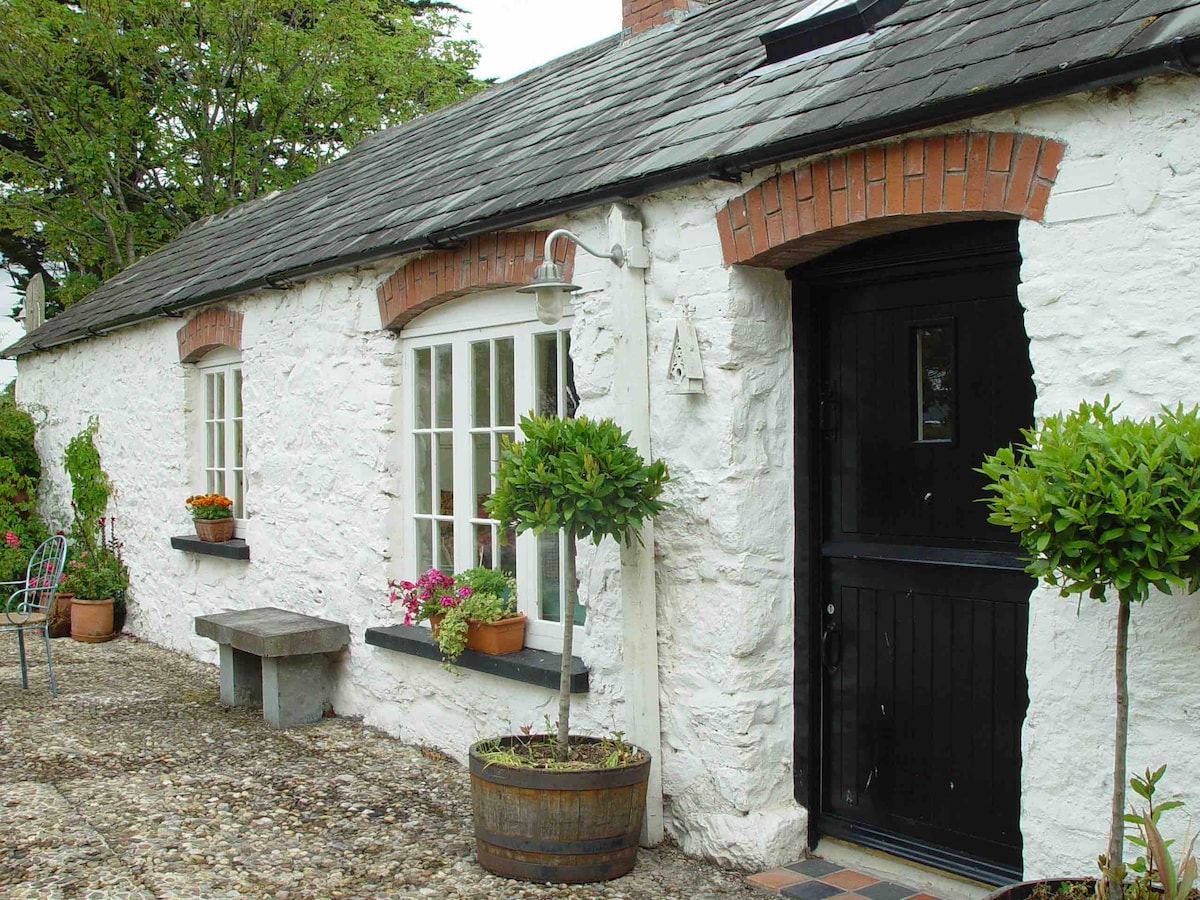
point(558, 825)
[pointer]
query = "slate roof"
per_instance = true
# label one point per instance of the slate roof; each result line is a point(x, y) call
point(677, 105)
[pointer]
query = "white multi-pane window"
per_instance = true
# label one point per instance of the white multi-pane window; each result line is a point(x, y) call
point(467, 388)
point(221, 406)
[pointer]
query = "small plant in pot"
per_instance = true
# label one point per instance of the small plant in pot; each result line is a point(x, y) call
point(475, 609)
point(212, 515)
point(1106, 507)
point(547, 807)
point(97, 579)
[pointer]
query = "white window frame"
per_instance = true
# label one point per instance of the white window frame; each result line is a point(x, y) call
point(460, 323)
point(224, 361)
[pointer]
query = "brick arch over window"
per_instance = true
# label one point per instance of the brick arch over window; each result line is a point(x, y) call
point(810, 211)
point(211, 329)
point(501, 260)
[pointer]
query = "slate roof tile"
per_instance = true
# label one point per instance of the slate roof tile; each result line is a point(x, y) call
point(618, 119)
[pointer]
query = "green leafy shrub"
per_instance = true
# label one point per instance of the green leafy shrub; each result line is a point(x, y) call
point(1106, 505)
point(581, 475)
point(21, 528)
point(16, 437)
point(90, 485)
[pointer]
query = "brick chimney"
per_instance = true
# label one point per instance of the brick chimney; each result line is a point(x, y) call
point(642, 15)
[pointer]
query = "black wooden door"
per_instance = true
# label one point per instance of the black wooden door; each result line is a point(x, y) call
point(923, 605)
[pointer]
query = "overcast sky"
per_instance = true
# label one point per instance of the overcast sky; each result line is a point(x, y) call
point(515, 36)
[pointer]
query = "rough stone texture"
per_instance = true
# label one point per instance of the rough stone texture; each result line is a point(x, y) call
point(1109, 285)
point(136, 783)
point(270, 631)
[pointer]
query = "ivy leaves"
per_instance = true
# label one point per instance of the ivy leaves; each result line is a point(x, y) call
point(1103, 502)
point(576, 474)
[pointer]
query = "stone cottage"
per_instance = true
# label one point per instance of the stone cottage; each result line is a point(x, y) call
point(896, 230)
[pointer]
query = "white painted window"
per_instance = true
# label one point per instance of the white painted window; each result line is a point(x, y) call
point(221, 413)
point(473, 368)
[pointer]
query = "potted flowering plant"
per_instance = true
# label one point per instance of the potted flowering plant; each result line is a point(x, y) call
point(97, 579)
point(213, 516)
point(475, 609)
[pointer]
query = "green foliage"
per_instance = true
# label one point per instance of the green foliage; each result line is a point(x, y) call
point(90, 485)
point(576, 474)
point(1158, 877)
point(1101, 502)
point(123, 121)
point(98, 573)
point(16, 439)
point(21, 528)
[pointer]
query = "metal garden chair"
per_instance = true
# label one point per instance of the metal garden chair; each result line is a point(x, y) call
point(28, 608)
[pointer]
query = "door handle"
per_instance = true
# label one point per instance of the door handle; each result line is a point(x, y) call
point(828, 645)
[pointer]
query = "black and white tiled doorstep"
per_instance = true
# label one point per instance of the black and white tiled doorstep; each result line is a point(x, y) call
point(817, 879)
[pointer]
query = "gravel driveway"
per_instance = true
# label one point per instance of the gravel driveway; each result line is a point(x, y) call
point(135, 782)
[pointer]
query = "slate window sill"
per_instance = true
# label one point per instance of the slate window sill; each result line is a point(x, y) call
point(189, 543)
point(538, 667)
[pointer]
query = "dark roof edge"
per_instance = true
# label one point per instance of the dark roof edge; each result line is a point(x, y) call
point(1181, 56)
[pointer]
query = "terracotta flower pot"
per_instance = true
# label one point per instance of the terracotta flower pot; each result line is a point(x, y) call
point(92, 620)
point(59, 620)
point(214, 530)
point(435, 624)
point(497, 638)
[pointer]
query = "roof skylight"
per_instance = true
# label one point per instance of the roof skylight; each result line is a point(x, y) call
point(824, 22)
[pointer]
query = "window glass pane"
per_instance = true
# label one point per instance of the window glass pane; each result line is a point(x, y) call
point(423, 467)
point(219, 445)
point(237, 393)
point(508, 551)
point(219, 480)
point(444, 385)
point(210, 441)
point(237, 443)
point(506, 403)
point(572, 398)
point(219, 395)
point(424, 545)
point(545, 365)
point(209, 406)
point(445, 547)
point(445, 474)
point(935, 383)
point(483, 546)
point(210, 482)
point(239, 493)
point(421, 381)
point(549, 603)
point(482, 453)
point(481, 384)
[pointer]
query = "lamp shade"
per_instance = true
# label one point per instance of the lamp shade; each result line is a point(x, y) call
point(549, 289)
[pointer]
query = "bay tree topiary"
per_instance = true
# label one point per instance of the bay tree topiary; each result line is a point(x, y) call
point(582, 476)
point(1108, 507)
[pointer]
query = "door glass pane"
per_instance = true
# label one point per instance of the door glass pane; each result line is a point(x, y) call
point(210, 444)
point(545, 352)
point(237, 393)
point(219, 445)
point(483, 546)
point(219, 395)
point(423, 467)
point(422, 375)
point(424, 545)
point(237, 443)
point(935, 383)
point(445, 474)
point(506, 403)
point(209, 403)
point(444, 385)
point(482, 453)
point(239, 481)
point(481, 384)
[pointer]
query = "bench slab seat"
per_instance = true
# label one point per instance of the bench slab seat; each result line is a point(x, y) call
point(276, 659)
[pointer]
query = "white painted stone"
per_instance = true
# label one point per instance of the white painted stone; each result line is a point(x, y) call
point(1112, 306)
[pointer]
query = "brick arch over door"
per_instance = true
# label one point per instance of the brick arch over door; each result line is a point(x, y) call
point(802, 214)
point(501, 260)
point(209, 330)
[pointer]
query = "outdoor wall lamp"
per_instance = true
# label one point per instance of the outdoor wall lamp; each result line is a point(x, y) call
point(549, 287)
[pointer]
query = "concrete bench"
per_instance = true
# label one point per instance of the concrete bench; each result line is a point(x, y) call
point(276, 659)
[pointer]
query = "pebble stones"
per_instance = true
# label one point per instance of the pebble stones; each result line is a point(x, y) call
point(136, 783)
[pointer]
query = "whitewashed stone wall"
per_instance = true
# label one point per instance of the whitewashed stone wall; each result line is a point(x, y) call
point(1111, 299)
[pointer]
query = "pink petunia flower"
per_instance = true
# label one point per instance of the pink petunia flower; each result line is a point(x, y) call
point(11, 539)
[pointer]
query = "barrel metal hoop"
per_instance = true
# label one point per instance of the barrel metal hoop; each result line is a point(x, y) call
point(541, 845)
